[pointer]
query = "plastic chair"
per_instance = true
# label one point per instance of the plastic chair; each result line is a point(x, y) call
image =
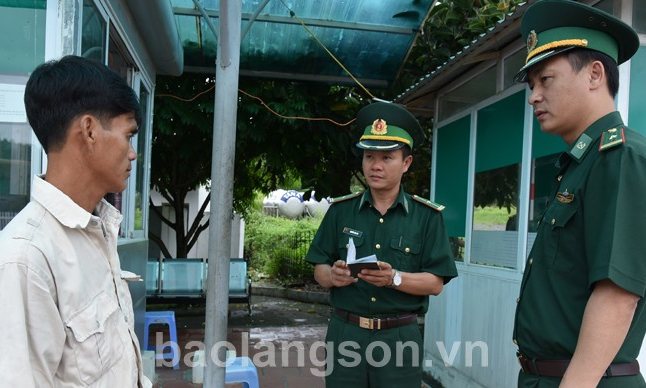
point(166, 318)
point(242, 370)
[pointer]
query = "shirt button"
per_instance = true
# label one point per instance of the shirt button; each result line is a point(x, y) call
point(94, 223)
point(553, 221)
point(378, 246)
point(559, 178)
point(517, 300)
point(515, 342)
point(531, 260)
point(407, 250)
point(381, 220)
point(125, 317)
point(373, 299)
point(347, 246)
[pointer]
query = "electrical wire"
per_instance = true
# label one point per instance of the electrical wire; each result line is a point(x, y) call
point(293, 14)
point(263, 104)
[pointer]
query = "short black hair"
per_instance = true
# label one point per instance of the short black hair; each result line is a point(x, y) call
point(58, 91)
point(579, 58)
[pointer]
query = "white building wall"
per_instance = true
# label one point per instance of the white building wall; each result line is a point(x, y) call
point(468, 330)
point(194, 200)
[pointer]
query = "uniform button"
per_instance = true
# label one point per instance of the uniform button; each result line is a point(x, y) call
point(531, 260)
point(381, 220)
point(373, 299)
point(559, 178)
point(515, 342)
point(347, 246)
point(378, 246)
point(94, 223)
point(407, 250)
point(553, 221)
point(517, 300)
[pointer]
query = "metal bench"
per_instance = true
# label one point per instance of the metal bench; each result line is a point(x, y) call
point(186, 278)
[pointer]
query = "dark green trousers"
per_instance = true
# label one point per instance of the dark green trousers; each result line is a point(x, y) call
point(362, 358)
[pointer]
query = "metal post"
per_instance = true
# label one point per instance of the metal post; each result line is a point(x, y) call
point(224, 128)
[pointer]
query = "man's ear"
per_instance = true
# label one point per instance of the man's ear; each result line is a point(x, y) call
point(88, 126)
point(597, 74)
point(407, 162)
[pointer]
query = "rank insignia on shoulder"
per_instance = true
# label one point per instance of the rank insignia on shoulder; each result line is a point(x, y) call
point(432, 205)
point(611, 138)
point(344, 198)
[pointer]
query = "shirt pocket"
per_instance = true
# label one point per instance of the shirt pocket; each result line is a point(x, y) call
point(94, 338)
point(563, 240)
point(344, 243)
point(406, 254)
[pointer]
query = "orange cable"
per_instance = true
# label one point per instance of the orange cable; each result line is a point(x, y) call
point(263, 104)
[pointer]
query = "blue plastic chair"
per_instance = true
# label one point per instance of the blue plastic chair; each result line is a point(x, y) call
point(167, 318)
point(242, 370)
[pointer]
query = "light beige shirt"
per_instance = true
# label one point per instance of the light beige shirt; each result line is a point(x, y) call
point(66, 317)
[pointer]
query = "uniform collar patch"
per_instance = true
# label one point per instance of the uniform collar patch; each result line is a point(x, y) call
point(580, 147)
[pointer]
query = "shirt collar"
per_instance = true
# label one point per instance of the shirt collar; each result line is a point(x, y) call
point(65, 210)
point(582, 145)
point(366, 198)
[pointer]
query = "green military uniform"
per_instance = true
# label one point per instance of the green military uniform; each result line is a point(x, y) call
point(592, 229)
point(373, 338)
point(593, 226)
point(412, 238)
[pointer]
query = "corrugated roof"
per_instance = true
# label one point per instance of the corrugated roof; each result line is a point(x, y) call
point(371, 38)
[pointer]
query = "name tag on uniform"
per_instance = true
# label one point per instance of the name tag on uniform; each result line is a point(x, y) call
point(352, 232)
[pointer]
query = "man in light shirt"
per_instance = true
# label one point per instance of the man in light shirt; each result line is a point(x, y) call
point(65, 311)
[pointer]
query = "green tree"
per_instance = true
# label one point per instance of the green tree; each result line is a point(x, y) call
point(275, 143)
point(181, 153)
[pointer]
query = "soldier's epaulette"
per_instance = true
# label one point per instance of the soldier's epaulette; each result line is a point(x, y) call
point(611, 138)
point(432, 205)
point(344, 198)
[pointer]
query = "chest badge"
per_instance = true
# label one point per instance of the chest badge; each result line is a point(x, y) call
point(565, 197)
point(352, 232)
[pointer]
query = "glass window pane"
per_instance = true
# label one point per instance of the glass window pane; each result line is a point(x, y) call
point(22, 36)
point(94, 32)
point(452, 161)
point(639, 15)
point(141, 159)
point(494, 240)
point(636, 111)
point(468, 94)
point(15, 169)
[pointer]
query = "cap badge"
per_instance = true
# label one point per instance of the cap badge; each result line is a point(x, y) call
point(532, 41)
point(379, 127)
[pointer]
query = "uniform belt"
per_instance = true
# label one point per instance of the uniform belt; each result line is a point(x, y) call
point(557, 368)
point(380, 323)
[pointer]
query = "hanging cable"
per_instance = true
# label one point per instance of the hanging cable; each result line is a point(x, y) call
point(261, 103)
point(293, 14)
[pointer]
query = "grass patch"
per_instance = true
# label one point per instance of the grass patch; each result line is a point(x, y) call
point(492, 215)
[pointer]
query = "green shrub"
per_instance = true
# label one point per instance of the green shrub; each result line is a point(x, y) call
point(276, 246)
